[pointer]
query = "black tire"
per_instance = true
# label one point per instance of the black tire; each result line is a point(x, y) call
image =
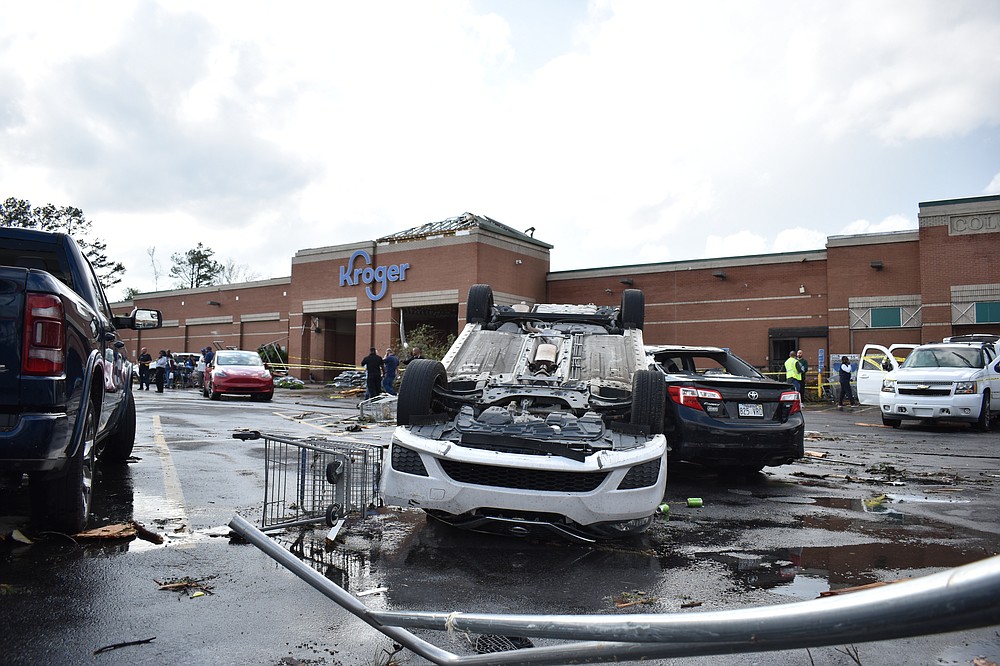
point(985, 421)
point(264, 397)
point(416, 391)
point(61, 502)
point(649, 400)
point(895, 423)
point(633, 312)
point(212, 393)
point(479, 308)
point(117, 446)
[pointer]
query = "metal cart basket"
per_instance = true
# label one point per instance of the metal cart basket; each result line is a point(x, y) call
point(314, 480)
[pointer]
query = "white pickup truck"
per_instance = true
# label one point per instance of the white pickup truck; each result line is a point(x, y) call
point(952, 380)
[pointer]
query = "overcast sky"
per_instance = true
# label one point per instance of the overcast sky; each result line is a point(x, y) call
point(624, 132)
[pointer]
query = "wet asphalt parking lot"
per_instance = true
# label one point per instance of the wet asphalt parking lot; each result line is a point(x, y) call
point(879, 505)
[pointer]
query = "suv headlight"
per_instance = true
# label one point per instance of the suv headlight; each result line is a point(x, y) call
point(965, 388)
point(889, 385)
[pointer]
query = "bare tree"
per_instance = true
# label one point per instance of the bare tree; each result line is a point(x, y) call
point(157, 268)
point(233, 273)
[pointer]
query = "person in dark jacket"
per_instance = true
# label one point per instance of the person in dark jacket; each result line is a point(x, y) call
point(845, 383)
point(162, 368)
point(374, 364)
point(391, 362)
point(145, 358)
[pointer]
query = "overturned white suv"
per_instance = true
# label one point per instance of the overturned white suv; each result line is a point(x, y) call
point(952, 380)
point(539, 420)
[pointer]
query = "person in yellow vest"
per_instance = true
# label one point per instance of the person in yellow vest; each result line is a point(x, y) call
point(792, 373)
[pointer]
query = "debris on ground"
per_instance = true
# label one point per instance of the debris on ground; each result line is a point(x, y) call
point(637, 598)
point(858, 588)
point(129, 530)
point(816, 454)
point(194, 587)
point(691, 604)
point(115, 646)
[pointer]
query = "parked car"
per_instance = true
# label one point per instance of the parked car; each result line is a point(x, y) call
point(724, 414)
point(539, 420)
point(953, 380)
point(238, 372)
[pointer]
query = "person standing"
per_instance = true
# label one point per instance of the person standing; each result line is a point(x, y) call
point(414, 353)
point(845, 384)
point(792, 374)
point(162, 366)
point(374, 364)
point(803, 371)
point(391, 362)
point(144, 361)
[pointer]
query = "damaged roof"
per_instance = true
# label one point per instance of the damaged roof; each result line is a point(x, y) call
point(464, 222)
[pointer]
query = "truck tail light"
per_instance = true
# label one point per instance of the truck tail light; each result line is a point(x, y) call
point(793, 400)
point(690, 396)
point(44, 338)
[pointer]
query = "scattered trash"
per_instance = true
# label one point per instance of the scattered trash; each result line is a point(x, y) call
point(816, 454)
point(858, 588)
point(694, 502)
point(663, 510)
point(128, 530)
point(627, 599)
point(875, 503)
point(195, 587)
point(368, 593)
point(115, 646)
point(691, 604)
point(18, 536)
point(289, 383)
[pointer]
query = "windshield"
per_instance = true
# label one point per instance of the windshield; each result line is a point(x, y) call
point(945, 357)
point(237, 358)
point(704, 363)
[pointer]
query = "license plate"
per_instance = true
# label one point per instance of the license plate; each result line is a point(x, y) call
point(751, 409)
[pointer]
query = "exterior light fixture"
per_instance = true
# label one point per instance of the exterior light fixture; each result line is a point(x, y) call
point(629, 281)
point(802, 289)
point(876, 264)
point(719, 274)
point(215, 303)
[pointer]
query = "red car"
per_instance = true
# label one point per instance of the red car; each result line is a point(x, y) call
point(238, 372)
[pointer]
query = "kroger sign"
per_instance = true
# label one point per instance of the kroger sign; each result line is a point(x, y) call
point(351, 276)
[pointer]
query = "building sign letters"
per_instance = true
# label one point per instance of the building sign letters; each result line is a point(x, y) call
point(381, 276)
point(974, 224)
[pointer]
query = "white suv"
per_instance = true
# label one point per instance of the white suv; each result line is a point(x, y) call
point(953, 380)
point(540, 420)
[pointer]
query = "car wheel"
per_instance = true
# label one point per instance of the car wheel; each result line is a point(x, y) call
point(263, 397)
point(649, 399)
point(212, 393)
point(985, 421)
point(895, 423)
point(61, 502)
point(117, 447)
point(416, 391)
point(479, 308)
point(633, 312)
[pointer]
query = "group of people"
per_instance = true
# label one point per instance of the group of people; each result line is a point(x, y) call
point(796, 367)
point(163, 370)
point(381, 370)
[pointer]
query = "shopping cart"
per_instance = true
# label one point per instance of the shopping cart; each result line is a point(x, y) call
point(313, 480)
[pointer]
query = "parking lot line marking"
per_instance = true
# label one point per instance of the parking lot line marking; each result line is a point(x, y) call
point(171, 482)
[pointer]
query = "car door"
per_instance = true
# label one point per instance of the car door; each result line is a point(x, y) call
point(876, 362)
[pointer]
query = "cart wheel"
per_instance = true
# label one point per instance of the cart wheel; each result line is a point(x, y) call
point(333, 514)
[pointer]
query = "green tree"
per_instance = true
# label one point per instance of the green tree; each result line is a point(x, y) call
point(130, 292)
point(195, 268)
point(68, 220)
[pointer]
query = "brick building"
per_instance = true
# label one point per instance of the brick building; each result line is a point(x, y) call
point(911, 286)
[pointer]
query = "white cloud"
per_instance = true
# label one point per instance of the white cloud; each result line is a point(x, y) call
point(889, 224)
point(994, 186)
point(624, 131)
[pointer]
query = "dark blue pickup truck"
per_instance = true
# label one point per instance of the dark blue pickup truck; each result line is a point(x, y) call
point(65, 379)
